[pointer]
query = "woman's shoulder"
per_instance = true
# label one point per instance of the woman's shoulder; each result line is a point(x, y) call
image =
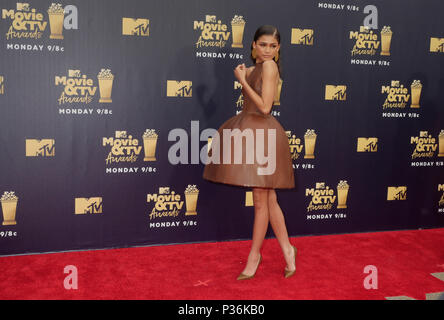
point(270, 65)
point(270, 69)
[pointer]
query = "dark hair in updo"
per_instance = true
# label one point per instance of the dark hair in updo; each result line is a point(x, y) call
point(269, 31)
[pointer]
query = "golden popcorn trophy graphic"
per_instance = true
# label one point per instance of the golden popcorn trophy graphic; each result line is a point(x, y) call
point(416, 88)
point(9, 207)
point(105, 78)
point(237, 30)
point(149, 144)
point(277, 97)
point(441, 144)
point(310, 142)
point(342, 194)
point(56, 16)
point(386, 39)
point(191, 193)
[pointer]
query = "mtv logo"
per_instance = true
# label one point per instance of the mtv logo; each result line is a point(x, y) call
point(237, 85)
point(121, 134)
point(22, 6)
point(138, 27)
point(88, 205)
point(320, 185)
point(335, 92)
point(423, 134)
point(164, 190)
point(441, 187)
point(397, 193)
point(367, 145)
point(43, 147)
point(302, 36)
point(249, 198)
point(364, 29)
point(179, 88)
point(2, 85)
point(436, 44)
point(73, 73)
point(210, 18)
point(394, 83)
point(288, 133)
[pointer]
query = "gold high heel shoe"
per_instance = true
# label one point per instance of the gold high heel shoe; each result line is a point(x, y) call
point(288, 273)
point(245, 277)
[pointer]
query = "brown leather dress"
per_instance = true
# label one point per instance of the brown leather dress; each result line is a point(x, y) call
point(246, 173)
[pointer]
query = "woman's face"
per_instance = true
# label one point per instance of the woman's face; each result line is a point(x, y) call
point(266, 47)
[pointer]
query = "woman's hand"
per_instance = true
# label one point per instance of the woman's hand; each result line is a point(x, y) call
point(241, 73)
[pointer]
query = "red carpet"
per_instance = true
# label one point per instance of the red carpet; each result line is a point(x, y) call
point(328, 267)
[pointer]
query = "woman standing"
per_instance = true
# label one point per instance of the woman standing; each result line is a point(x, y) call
point(259, 85)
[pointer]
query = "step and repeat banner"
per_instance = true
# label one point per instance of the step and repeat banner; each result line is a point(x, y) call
point(105, 106)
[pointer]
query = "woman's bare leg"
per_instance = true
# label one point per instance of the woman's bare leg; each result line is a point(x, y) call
point(277, 222)
point(261, 219)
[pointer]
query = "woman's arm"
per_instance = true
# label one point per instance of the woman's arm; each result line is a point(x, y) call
point(270, 75)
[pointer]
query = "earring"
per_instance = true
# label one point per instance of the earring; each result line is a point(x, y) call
point(276, 57)
point(253, 53)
